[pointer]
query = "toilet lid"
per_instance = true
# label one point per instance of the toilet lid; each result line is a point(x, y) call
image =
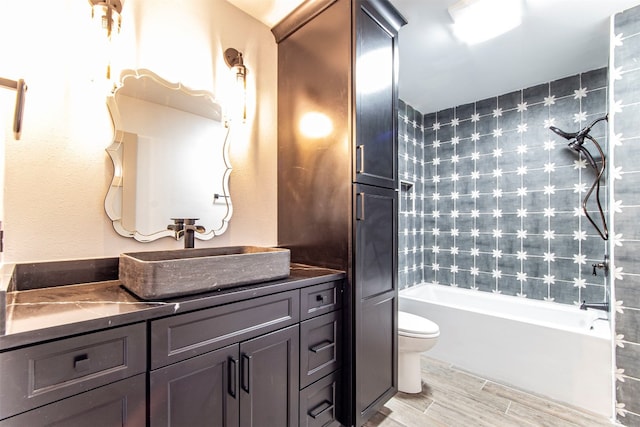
point(416, 325)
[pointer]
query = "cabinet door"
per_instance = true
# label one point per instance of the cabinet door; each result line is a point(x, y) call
point(197, 392)
point(375, 303)
point(122, 403)
point(375, 90)
point(269, 379)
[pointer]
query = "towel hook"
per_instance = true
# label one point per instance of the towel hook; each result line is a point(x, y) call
point(20, 87)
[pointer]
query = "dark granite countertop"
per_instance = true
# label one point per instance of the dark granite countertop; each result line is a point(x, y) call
point(42, 314)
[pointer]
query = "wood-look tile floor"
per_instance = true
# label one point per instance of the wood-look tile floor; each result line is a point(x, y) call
point(451, 397)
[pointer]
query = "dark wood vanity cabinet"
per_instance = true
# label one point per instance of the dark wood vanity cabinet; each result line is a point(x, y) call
point(337, 192)
point(272, 360)
point(257, 377)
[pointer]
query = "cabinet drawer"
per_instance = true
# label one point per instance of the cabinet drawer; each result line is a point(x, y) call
point(37, 375)
point(183, 336)
point(320, 402)
point(320, 299)
point(122, 403)
point(320, 347)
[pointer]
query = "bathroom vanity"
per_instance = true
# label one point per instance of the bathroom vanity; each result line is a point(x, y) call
point(94, 354)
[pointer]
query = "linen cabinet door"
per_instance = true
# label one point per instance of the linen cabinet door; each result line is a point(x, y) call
point(269, 379)
point(376, 99)
point(201, 391)
point(376, 299)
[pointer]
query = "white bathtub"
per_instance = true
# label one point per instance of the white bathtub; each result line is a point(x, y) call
point(549, 349)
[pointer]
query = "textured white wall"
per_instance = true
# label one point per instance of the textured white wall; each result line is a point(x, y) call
point(57, 175)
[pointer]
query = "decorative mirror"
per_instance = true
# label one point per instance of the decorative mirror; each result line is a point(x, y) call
point(170, 158)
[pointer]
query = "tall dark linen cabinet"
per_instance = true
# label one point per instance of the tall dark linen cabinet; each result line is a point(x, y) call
point(337, 192)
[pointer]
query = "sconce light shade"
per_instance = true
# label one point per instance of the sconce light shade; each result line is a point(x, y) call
point(233, 59)
point(107, 15)
point(108, 11)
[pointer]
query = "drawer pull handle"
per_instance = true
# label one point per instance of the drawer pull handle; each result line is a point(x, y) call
point(324, 345)
point(246, 372)
point(320, 409)
point(233, 374)
point(81, 362)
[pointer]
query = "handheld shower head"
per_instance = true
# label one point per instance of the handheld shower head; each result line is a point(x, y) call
point(562, 133)
point(576, 139)
point(576, 143)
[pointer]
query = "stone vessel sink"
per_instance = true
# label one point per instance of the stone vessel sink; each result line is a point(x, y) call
point(164, 274)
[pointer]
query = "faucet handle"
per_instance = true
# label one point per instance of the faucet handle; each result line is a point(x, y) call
point(603, 265)
point(177, 227)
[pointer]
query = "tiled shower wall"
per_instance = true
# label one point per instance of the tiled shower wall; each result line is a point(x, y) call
point(412, 204)
point(490, 197)
point(625, 82)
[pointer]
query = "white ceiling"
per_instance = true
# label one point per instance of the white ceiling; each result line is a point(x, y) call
point(557, 38)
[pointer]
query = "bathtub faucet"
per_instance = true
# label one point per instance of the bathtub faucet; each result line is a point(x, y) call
point(604, 306)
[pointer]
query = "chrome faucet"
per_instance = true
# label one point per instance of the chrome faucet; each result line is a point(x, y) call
point(186, 227)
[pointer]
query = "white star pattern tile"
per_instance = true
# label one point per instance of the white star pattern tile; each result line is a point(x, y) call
point(624, 173)
point(499, 191)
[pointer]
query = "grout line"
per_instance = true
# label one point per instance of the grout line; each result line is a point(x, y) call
point(548, 400)
point(471, 374)
point(427, 408)
point(508, 407)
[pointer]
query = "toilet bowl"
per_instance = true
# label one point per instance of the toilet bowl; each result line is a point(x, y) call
point(415, 335)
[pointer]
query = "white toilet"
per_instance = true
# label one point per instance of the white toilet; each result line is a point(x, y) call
point(415, 335)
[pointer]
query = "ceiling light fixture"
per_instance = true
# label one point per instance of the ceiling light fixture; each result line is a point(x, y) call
point(476, 21)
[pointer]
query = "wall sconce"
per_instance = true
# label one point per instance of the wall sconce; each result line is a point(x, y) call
point(20, 87)
point(107, 15)
point(233, 58)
